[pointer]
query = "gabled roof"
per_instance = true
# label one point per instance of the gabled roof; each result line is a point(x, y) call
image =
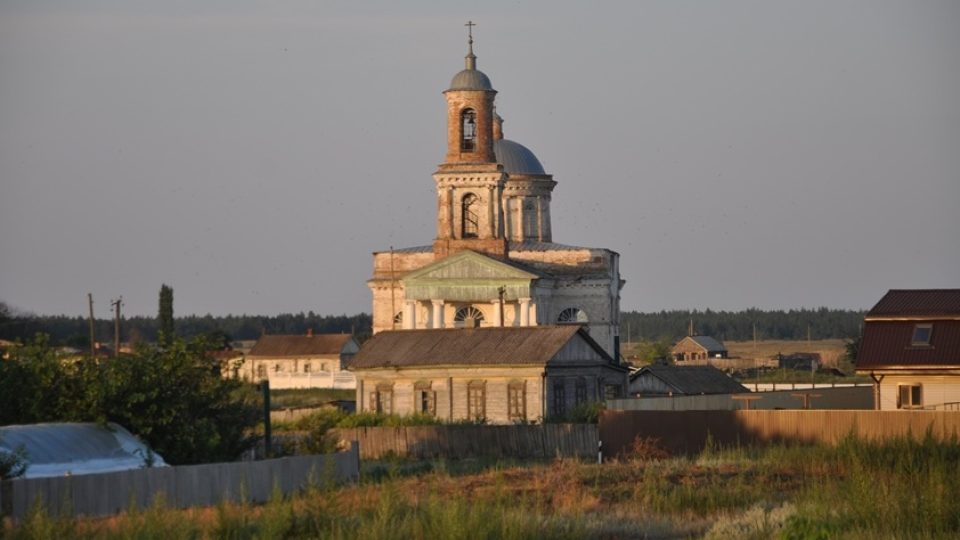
point(910, 303)
point(534, 345)
point(889, 343)
point(299, 345)
point(469, 264)
point(692, 380)
point(707, 342)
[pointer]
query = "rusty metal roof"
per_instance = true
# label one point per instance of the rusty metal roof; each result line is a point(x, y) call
point(534, 345)
point(907, 303)
point(299, 345)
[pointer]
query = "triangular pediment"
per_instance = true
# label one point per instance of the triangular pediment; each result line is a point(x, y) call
point(468, 265)
point(468, 276)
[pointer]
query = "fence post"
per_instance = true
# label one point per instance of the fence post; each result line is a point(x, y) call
point(599, 452)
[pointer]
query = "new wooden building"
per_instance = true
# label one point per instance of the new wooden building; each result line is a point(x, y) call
point(500, 375)
point(911, 349)
point(697, 349)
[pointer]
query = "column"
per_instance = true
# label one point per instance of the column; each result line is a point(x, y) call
point(533, 314)
point(451, 221)
point(410, 315)
point(521, 221)
point(496, 311)
point(437, 313)
point(524, 312)
point(490, 221)
point(539, 221)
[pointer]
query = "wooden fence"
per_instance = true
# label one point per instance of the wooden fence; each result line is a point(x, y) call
point(182, 486)
point(687, 431)
point(457, 442)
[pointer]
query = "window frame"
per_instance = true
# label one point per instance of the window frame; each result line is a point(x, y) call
point(913, 392)
point(477, 400)
point(559, 405)
point(517, 400)
point(468, 135)
point(920, 327)
point(470, 216)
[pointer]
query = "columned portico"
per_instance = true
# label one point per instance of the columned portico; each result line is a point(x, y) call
point(410, 315)
point(524, 312)
point(437, 313)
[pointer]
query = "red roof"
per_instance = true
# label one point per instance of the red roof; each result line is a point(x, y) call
point(908, 303)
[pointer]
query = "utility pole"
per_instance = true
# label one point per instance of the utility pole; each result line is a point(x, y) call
point(93, 337)
point(116, 325)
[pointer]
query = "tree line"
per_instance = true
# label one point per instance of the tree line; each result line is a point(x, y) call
point(794, 324)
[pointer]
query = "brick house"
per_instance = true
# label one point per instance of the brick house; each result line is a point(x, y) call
point(301, 361)
point(911, 349)
point(697, 349)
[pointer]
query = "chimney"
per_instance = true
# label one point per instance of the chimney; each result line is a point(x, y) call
point(309, 332)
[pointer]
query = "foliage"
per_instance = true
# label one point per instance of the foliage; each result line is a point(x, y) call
point(822, 323)
point(13, 464)
point(852, 350)
point(307, 397)
point(585, 413)
point(646, 352)
point(172, 397)
point(165, 321)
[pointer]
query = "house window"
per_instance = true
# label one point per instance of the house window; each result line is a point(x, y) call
point(277, 368)
point(572, 316)
point(611, 391)
point(381, 400)
point(921, 335)
point(468, 317)
point(517, 400)
point(468, 130)
point(307, 367)
point(910, 396)
point(425, 399)
point(261, 371)
point(470, 207)
point(477, 400)
point(559, 398)
point(581, 391)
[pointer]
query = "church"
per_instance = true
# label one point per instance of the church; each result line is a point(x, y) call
point(493, 262)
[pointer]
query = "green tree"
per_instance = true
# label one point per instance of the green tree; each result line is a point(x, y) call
point(165, 315)
point(170, 395)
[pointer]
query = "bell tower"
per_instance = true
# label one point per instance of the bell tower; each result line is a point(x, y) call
point(470, 182)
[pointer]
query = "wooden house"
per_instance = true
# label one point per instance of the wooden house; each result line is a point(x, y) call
point(911, 349)
point(499, 375)
point(665, 380)
point(698, 349)
point(302, 361)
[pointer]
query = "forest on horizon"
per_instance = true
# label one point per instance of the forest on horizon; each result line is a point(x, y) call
point(794, 324)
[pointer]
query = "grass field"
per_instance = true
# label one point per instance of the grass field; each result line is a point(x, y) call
point(831, 350)
point(307, 397)
point(898, 489)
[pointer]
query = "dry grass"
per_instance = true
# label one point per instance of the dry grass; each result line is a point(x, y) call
point(830, 350)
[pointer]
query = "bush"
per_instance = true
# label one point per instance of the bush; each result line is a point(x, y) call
point(171, 396)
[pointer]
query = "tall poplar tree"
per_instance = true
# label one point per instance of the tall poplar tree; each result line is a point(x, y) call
point(165, 314)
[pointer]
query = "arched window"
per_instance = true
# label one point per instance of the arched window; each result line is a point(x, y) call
point(572, 316)
point(471, 215)
point(468, 130)
point(468, 317)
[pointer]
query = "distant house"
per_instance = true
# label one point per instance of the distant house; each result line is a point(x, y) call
point(302, 361)
point(698, 349)
point(911, 349)
point(800, 361)
point(664, 380)
point(498, 374)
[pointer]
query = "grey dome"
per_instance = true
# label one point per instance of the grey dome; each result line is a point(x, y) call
point(516, 158)
point(470, 79)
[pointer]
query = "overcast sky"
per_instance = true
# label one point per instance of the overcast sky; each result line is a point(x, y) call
point(252, 155)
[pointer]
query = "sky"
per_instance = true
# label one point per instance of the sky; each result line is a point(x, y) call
point(252, 155)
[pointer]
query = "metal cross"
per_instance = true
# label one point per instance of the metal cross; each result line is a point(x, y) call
point(470, 25)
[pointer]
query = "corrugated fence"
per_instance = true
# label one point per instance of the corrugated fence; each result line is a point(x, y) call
point(182, 486)
point(687, 431)
point(457, 442)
